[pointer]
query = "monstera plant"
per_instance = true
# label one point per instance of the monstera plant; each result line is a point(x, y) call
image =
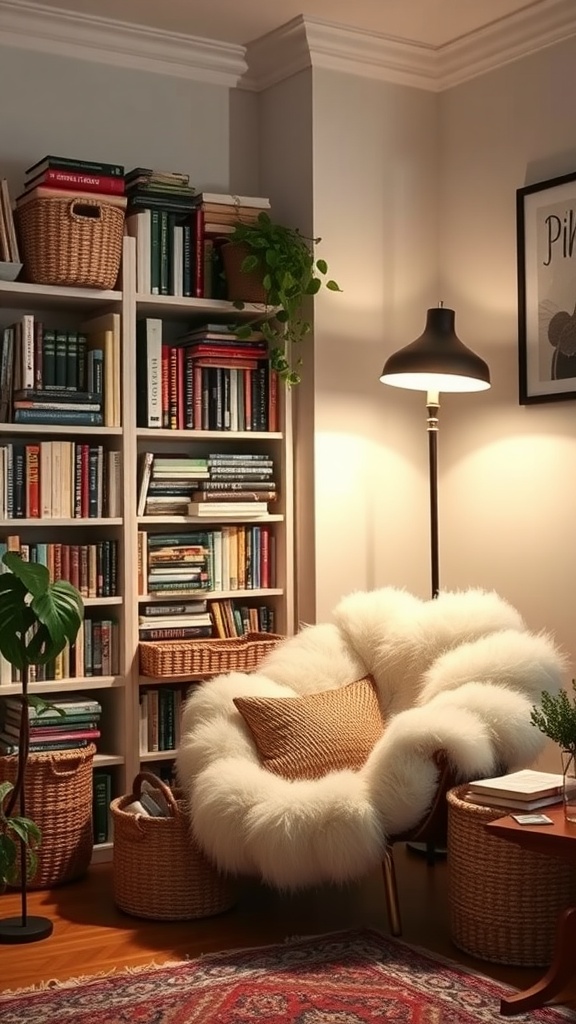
point(37, 619)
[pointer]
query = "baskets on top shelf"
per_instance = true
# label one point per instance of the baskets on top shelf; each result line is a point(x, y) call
point(205, 657)
point(71, 242)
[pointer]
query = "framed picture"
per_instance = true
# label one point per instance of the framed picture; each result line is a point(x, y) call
point(546, 240)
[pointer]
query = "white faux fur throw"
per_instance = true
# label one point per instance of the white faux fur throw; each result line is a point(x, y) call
point(459, 673)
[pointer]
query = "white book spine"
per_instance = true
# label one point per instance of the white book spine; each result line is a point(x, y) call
point(154, 371)
point(27, 351)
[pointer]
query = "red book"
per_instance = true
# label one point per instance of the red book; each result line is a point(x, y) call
point(243, 351)
point(77, 180)
point(32, 481)
point(273, 419)
point(165, 389)
point(173, 389)
point(180, 374)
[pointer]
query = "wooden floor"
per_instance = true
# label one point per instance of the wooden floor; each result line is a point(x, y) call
point(90, 935)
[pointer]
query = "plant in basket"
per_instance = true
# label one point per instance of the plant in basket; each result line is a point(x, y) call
point(280, 261)
point(37, 619)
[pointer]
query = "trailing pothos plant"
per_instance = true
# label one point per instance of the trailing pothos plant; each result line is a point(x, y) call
point(37, 619)
point(290, 274)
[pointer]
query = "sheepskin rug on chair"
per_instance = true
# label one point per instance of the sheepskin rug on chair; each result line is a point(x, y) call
point(458, 674)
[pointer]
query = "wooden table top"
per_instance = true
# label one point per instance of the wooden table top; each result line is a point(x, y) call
point(557, 839)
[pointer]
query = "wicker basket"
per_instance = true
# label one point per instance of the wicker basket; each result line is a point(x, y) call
point(504, 901)
point(205, 657)
point(159, 872)
point(71, 241)
point(239, 285)
point(58, 791)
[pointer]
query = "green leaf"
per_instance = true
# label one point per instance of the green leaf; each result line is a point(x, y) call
point(332, 286)
point(5, 789)
point(322, 266)
point(34, 575)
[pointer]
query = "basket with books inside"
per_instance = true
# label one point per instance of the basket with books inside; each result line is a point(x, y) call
point(70, 220)
point(205, 657)
point(158, 870)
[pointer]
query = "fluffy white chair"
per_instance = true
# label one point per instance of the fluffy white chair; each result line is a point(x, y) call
point(455, 678)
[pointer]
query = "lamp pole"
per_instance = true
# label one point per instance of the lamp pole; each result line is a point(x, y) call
point(432, 407)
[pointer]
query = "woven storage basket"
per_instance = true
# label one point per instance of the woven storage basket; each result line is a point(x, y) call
point(58, 791)
point(503, 901)
point(71, 241)
point(239, 285)
point(199, 657)
point(159, 872)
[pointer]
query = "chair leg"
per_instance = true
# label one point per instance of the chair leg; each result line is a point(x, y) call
point(391, 892)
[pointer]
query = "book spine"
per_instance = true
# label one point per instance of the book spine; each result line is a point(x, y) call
point(59, 416)
point(64, 163)
point(83, 182)
point(102, 795)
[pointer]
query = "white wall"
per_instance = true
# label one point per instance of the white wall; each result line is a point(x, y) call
point(508, 487)
point(375, 203)
point(96, 112)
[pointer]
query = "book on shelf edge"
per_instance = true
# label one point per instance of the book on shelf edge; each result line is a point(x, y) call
point(521, 785)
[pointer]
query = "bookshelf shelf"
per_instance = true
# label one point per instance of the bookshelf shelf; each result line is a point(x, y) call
point(43, 296)
point(120, 694)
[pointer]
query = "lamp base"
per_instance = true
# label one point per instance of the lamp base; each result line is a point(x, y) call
point(13, 931)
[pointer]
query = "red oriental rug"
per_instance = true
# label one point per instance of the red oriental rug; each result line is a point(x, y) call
point(357, 977)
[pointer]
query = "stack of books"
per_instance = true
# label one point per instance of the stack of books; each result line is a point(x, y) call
point(184, 620)
point(167, 483)
point(64, 177)
point(525, 790)
point(178, 563)
point(161, 219)
point(221, 211)
point(69, 722)
point(238, 485)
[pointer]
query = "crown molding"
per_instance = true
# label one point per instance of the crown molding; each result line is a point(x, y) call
point(518, 35)
point(301, 43)
point(307, 42)
point(31, 26)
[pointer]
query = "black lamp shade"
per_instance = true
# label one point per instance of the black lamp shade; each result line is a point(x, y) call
point(437, 360)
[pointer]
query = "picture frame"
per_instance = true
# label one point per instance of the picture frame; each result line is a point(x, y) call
point(546, 251)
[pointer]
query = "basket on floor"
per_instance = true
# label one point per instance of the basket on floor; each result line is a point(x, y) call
point(158, 870)
point(204, 657)
point(75, 242)
point(504, 901)
point(58, 794)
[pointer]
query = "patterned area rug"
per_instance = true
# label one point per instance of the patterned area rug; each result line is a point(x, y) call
point(341, 978)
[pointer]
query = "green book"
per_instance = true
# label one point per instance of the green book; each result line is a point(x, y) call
point(101, 797)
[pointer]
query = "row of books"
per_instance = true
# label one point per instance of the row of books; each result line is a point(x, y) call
point(56, 375)
point(179, 234)
point(9, 248)
point(67, 723)
point(91, 568)
point(59, 480)
point(160, 717)
point(96, 652)
point(234, 557)
point(235, 618)
point(206, 380)
point(233, 482)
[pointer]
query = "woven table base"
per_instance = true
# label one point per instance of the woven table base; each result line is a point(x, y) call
point(504, 901)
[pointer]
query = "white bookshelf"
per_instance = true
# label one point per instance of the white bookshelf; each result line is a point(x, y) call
point(119, 746)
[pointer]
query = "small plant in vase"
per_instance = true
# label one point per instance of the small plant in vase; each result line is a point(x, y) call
point(37, 619)
point(277, 266)
point(556, 718)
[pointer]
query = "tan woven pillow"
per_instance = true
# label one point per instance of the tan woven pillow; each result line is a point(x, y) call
point(307, 737)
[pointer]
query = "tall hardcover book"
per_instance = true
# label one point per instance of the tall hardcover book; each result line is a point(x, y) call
point(149, 372)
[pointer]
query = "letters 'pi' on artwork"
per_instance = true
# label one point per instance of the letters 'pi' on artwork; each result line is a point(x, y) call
point(546, 226)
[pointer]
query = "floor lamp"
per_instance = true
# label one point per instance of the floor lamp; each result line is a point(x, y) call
point(437, 361)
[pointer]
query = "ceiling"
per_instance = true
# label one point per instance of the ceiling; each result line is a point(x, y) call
point(430, 22)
